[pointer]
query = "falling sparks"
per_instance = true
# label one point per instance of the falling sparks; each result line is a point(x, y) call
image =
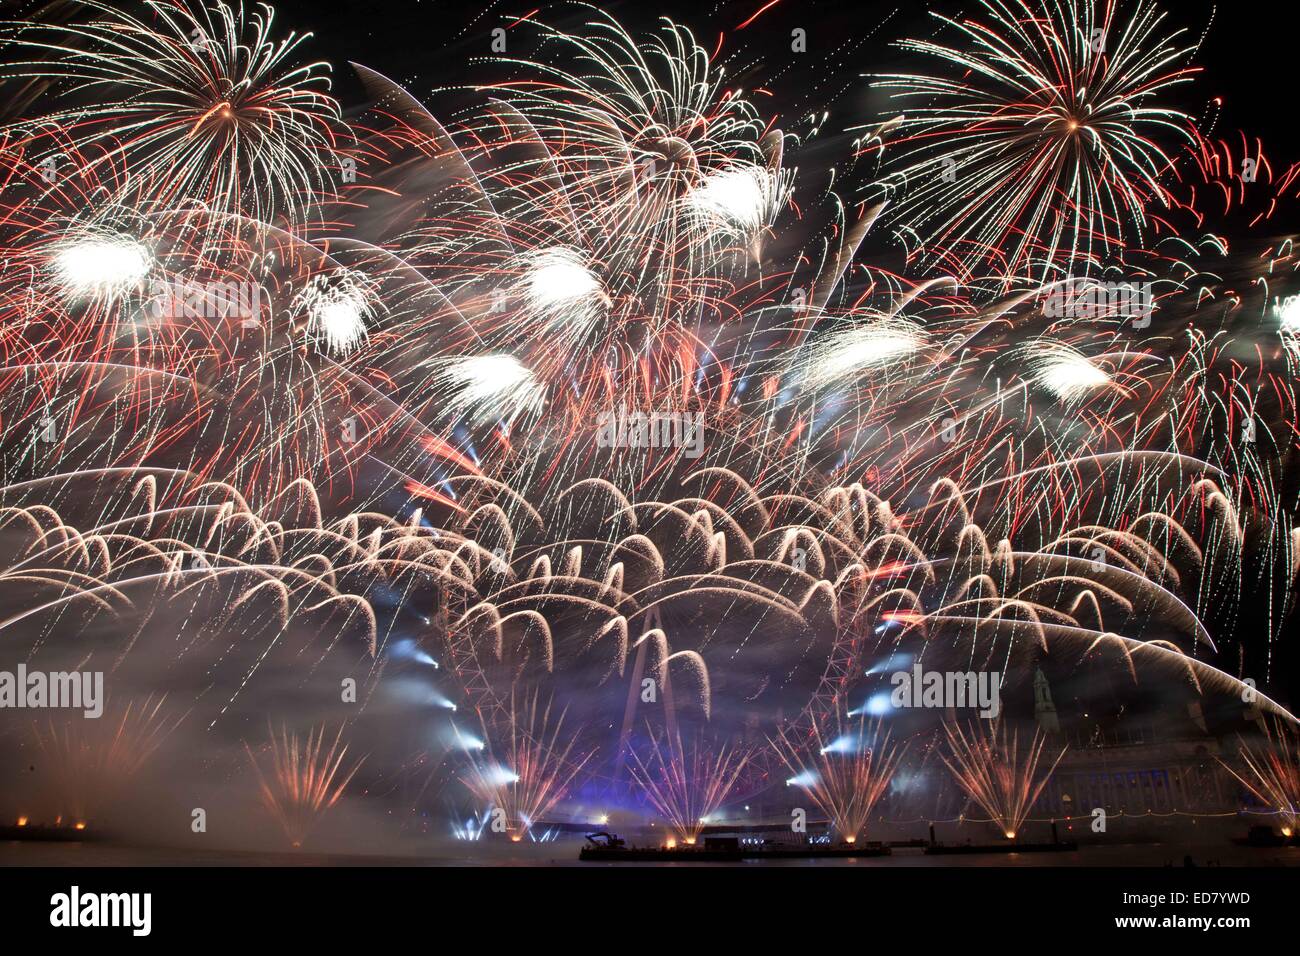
point(304, 780)
point(296, 396)
point(845, 776)
point(994, 772)
point(687, 783)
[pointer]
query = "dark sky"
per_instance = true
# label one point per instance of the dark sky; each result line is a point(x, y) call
point(1248, 55)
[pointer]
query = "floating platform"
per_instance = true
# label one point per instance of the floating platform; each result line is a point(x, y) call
point(729, 853)
point(778, 852)
point(662, 854)
point(1265, 837)
point(956, 849)
point(37, 833)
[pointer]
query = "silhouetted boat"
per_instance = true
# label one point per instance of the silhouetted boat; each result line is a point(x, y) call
point(1264, 836)
point(941, 849)
point(605, 847)
point(41, 833)
point(802, 851)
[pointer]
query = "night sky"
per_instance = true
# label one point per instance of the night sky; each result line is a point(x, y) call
point(1247, 55)
point(1246, 58)
point(811, 411)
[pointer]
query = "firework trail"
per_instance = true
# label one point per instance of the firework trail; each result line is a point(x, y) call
point(845, 772)
point(992, 770)
point(525, 767)
point(304, 780)
point(1041, 141)
point(687, 784)
point(95, 762)
point(1272, 772)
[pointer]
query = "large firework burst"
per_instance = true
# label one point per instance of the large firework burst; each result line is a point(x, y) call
point(845, 772)
point(1004, 780)
point(305, 780)
point(185, 104)
point(271, 433)
point(1040, 139)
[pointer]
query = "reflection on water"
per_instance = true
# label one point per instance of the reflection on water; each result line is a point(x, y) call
point(565, 853)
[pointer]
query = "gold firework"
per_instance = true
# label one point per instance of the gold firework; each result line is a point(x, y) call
point(845, 776)
point(687, 784)
point(990, 767)
point(305, 779)
point(94, 760)
point(535, 766)
point(1272, 773)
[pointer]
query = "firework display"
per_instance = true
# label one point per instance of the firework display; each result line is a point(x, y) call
point(305, 780)
point(608, 437)
point(997, 775)
point(848, 776)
